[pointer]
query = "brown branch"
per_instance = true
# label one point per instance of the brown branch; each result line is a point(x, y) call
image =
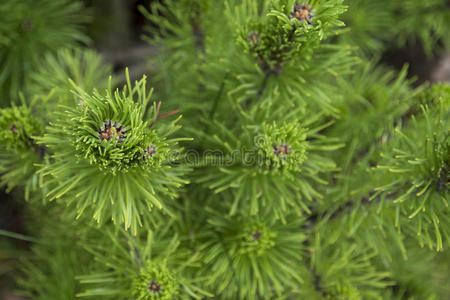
point(160, 116)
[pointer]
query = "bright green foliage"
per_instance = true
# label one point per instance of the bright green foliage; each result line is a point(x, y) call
point(52, 278)
point(29, 29)
point(84, 67)
point(421, 275)
point(343, 270)
point(251, 257)
point(155, 282)
point(147, 266)
point(374, 98)
point(50, 272)
point(369, 24)
point(108, 158)
point(427, 21)
point(375, 24)
point(224, 75)
point(314, 172)
point(436, 94)
point(288, 34)
point(419, 164)
point(19, 151)
point(109, 131)
point(269, 164)
point(281, 147)
point(344, 293)
point(18, 128)
point(284, 55)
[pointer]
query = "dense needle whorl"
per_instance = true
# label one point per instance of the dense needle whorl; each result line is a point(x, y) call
point(17, 128)
point(111, 132)
point(257, 239)
point(155, 282)
point(281, 146)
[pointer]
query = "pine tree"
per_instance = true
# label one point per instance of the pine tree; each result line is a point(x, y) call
point(272, 156)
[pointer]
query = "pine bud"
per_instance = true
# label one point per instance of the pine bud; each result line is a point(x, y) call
point(151, 151)
point(257, 239)
point(302, 12)
point(111, 130)
point(281, 146)
point(155, 282)
point(252, 245)
point(282, 149)
point(108, 140)
point(115, 146)
point(19, 153)
point(17, 128)
point(253, 39)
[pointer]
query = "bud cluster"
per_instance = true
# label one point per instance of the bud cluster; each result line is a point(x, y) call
point(18, 126)
point(155, 282)
point(282, 146)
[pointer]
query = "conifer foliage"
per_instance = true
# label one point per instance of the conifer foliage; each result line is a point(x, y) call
point(272, 156)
